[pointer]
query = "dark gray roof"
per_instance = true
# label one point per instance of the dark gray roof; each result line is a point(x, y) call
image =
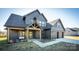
point(18, 21)
point(32, 12)
point(48, 26)
point(15, 21)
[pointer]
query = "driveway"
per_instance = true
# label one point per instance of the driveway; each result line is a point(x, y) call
point(41, 44)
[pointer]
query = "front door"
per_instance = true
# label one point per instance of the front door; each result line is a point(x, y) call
point(62, 34)
point(57, 34)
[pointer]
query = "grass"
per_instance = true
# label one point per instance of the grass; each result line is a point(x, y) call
point(30, 46)
point(3, 40)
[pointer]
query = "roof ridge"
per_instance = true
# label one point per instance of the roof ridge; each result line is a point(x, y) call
point(32, 12)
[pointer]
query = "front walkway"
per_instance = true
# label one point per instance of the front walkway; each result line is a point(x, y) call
point(41, 44)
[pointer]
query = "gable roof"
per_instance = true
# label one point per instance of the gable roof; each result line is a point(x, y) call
point(55, 21)
point(34, 12)
point(18, 21)
point(15, 21)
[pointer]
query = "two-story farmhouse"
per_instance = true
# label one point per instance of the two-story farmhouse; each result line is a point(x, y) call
point(33, 26)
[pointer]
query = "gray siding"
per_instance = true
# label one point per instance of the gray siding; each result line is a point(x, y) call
point(29, 18)
point(53, 34)
point(48, 34)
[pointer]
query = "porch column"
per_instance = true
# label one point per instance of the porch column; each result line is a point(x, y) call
point(27, 33)
point(8, 34)
point(40, 34)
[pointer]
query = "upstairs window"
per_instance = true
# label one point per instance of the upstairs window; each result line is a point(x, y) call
point(34, 19)
point(24, 18)
point(43, 24)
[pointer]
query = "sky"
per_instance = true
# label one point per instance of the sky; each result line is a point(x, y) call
point(68, 16)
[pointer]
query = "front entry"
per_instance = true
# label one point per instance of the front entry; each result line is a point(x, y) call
point(34, 31)
point(34, 34)
point(30, 34)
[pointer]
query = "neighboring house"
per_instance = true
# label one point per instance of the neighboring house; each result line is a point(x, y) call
point(71, 31)
point(33, 26)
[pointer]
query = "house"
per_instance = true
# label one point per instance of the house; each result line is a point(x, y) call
point(71, 31)
point(33, 26)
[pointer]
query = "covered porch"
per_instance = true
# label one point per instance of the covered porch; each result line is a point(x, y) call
point(33, 33)
point(26, 34)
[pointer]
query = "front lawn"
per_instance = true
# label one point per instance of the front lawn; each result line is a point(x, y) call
point(30, 46)
point(3, 40)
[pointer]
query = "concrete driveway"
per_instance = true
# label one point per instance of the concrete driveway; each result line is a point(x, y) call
point(41, 44)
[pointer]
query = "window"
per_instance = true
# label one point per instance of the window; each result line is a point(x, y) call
point(34, 19)
point(39, 23)
point(42, 23)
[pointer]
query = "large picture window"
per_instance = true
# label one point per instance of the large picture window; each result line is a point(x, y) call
point(43, 24)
